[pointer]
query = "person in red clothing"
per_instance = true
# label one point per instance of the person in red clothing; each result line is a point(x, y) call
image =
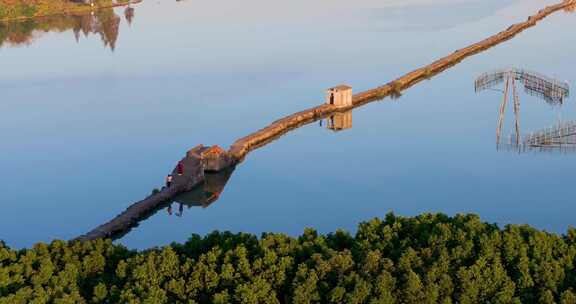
point(180, 168)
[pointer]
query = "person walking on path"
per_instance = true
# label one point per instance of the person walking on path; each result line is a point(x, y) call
point(169, 180)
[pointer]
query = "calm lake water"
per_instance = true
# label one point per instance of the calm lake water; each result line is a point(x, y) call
point(96, 110)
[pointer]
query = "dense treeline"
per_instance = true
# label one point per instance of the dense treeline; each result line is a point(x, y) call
point(425, 259)
point(16, 9)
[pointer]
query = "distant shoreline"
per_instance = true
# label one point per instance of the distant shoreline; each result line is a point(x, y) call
point(80, 8)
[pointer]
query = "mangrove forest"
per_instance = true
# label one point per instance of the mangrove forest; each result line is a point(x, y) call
point(431, 258)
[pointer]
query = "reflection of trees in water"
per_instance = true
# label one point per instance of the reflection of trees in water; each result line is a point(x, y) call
point(129, 14)
point(105, 23)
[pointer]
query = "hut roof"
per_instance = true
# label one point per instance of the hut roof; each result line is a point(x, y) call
point(341, 87)
point(214, 150)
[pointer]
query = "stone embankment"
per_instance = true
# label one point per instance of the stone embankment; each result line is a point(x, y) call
point(243, 146)
point(201, 159)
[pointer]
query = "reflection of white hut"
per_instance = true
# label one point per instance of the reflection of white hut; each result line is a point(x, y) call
point(340, 96)
point(340, 121)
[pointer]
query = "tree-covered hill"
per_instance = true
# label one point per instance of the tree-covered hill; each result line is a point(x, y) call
point(431, 258)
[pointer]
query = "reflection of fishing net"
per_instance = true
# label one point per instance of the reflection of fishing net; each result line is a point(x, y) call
point(550, 90)
point(562, 134)
point(559, 138)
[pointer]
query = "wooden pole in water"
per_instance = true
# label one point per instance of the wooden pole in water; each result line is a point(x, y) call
point(516, 109)
point(502, 111)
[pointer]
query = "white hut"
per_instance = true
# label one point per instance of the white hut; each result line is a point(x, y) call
point(340, 96)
